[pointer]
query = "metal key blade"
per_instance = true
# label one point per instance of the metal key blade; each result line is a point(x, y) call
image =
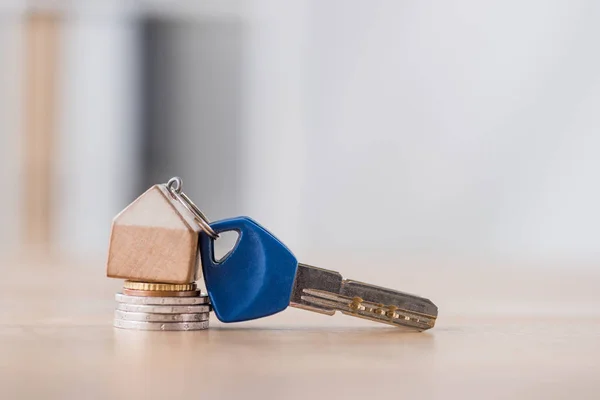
point(325, 291)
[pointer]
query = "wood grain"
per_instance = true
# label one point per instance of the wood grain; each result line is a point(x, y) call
point(152, 241)
point(57, 342)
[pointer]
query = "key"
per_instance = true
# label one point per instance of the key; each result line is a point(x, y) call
point(325, 291)
point(260, 276)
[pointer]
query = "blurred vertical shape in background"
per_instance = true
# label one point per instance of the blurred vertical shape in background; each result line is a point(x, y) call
point(98, 154)
point(12, 81)
point(41, 69)
point(192, 99)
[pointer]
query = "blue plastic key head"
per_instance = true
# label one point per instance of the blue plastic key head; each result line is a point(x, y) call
point(255, 279)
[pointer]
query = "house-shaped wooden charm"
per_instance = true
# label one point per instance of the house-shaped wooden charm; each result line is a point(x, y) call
point(154, 239)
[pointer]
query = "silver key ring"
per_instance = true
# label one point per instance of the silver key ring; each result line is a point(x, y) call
point(175, 187)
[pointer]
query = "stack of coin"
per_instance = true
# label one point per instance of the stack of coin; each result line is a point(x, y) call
point(161, 307)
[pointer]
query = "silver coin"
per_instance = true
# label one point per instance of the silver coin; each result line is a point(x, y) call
point(161, 326)
point(145, 317)
point(157, 301)
point(146, 308)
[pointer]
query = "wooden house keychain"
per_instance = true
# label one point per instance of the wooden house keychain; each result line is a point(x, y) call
point(154, 247)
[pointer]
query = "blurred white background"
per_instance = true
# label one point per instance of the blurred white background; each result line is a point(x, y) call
point(380, 129)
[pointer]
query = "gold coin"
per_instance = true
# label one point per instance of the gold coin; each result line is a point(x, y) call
point(172, 287)
point(161, 293)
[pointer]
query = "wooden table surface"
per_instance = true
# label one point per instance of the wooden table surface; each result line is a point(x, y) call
point(57, 342)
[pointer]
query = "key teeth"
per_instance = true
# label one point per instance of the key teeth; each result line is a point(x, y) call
point(357, 307)
point(377, 294)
